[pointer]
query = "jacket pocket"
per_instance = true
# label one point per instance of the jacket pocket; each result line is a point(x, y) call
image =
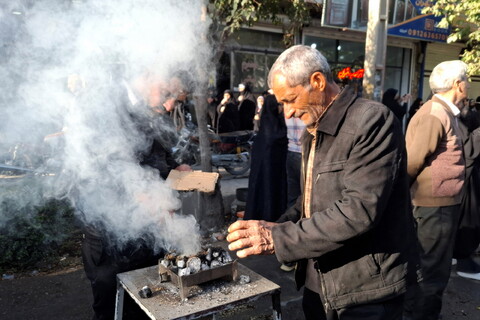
point(330, 168)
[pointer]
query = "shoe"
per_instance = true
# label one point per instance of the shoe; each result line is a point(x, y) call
point(474, 276)
point(287, 267)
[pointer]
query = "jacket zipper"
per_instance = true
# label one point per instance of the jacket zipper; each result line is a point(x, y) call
point(324, 292)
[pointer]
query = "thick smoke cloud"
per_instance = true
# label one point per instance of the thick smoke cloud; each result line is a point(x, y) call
point(103, 44)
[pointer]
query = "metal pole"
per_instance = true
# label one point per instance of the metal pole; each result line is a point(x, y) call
point(375, 49)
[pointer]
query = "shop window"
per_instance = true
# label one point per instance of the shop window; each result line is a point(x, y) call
point(338, 13)
point(252, 54)
point(400, 10)
point(353, 14)
point(350, 52)
point(394, 57)
point(326, 46)
point(343, 54)
point(362, 14)
point(393, 78)
point(252, 67)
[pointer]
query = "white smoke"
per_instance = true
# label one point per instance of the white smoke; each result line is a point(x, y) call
point(103, 43)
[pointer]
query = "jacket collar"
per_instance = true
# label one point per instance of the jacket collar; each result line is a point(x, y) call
point(333, 117)
point(447, 105)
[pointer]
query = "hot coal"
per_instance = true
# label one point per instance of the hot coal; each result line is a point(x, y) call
point(211, 257)
point(194, 264)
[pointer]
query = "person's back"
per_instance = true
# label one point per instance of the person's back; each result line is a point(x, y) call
point(436, 165)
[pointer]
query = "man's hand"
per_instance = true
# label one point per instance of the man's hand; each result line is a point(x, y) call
point(169, 104)
point(251, 237)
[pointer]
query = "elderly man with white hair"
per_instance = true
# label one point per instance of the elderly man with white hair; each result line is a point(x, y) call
point(436, 168)
point(349, 231)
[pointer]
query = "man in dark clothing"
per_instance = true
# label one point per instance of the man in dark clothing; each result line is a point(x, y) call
point(104, 255)
point(468, 234)
point(349, 230)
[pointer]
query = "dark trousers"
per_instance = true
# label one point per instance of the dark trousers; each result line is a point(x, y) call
point(385, 310)
point(294, 168)
point(102, 263)
point(436, 228)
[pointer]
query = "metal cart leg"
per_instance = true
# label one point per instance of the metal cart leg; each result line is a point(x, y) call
point(277, 308)
point(119, 301)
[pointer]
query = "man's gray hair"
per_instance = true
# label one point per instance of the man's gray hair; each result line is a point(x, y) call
point(298, 63)
point(445, 74)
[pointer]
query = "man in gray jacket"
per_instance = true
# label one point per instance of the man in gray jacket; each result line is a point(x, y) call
point(350, 230)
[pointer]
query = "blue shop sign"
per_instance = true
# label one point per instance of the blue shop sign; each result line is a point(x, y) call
point(422, 27)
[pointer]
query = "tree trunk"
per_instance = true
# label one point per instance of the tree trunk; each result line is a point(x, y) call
point(201, 107)
point(201, 112)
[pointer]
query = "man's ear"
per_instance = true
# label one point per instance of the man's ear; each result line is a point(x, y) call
point(318, 81)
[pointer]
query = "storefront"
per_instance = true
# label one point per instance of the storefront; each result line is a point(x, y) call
point(248, 57)
point(346, 49)
point(251, 53)
point(415, 45)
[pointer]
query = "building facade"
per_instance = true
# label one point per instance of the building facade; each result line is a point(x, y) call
point(414, 46)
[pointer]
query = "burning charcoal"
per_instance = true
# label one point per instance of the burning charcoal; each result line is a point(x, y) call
point(145, 292)
point(204, 266)
point(181, 262)
point(195, 264)
point(165, 263)
point(215, 263)
point(184, 272)
point(216, 254)
point(208, 256)
point(226, 258)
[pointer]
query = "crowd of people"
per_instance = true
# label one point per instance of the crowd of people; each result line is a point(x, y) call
point(236, 113)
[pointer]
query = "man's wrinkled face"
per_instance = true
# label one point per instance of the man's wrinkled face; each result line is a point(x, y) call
point(299, 101)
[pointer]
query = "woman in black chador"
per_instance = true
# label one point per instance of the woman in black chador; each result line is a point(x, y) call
point(394, 102)
point(267, 184)
point(228, 119)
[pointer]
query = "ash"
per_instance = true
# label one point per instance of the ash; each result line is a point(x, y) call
point(215, 290)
